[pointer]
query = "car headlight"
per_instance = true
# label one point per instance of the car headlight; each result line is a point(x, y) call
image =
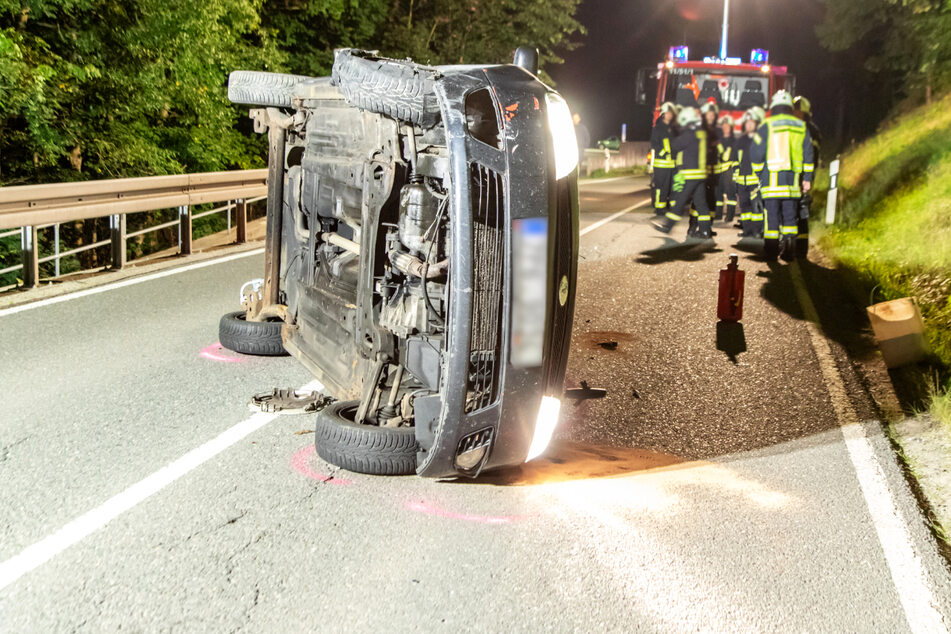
point(545, 425)
point(563, 137)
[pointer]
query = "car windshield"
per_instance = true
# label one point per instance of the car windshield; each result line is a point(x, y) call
point(732, 91)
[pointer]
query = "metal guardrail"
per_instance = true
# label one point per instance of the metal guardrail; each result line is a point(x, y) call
point(36, 207)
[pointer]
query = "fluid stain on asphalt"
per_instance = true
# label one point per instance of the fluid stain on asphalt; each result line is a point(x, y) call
point(606, 339)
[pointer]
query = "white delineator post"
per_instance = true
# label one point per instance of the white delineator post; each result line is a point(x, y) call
point(833, 192)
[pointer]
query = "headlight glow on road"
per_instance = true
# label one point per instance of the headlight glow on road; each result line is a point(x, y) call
point(545, 425)
point(563, 137)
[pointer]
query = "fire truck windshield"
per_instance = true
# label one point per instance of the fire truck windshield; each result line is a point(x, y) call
point(732, 91)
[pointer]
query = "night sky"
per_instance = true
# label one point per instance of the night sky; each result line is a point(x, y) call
point(623, 36)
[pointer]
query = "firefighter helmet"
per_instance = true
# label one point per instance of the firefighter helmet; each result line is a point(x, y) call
point(753, 114)
point(759, 112)
point(726, 120)
point(803, 105)
point(710, 104)
point(688, 116)
point(781, 98)
point(668, 106)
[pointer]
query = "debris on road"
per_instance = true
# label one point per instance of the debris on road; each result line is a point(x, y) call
point(585, 392)
point(608, 345)
point(289, 401)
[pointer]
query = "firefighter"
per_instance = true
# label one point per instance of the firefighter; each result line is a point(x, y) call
point(725, 167)
point(663, 158)
point(690, 152)
point(782, 157)
point(745, 180)
point(803, 110)
point(711, 112)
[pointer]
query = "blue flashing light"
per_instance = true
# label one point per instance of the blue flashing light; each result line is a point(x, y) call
point(679, 53)
point(759, 57)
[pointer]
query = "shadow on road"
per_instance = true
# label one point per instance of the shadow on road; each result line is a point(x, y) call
point(673, 251)
point(731, 339)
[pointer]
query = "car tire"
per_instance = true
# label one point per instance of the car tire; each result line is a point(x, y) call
point(260, 338)
point(397, 89)
point(255, 88)
point(363, 448)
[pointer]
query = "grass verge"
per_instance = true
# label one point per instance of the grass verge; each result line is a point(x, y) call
point(893, 231)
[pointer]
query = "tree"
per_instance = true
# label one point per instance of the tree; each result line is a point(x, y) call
point(903, 39)
point(111, 88)
point(428, 31)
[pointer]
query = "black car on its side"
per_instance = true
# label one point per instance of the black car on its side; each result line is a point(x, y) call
point(421, 257)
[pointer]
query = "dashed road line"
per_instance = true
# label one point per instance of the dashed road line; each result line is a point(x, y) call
point(85, 525)
point(909, 575)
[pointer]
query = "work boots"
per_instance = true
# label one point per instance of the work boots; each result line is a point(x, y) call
point(664, 224)
point(787, 248)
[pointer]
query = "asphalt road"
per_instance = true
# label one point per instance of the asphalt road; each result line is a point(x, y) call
point(712, 489)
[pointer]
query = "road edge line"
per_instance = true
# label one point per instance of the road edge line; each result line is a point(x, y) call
point(127, 282)
point(73, 532)
point(615, 216)
point(909, 575)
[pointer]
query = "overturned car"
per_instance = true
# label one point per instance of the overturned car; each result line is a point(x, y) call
point(421, 257)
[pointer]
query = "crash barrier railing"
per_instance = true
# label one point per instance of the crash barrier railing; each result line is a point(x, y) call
point(630, 154)
point(31, 208)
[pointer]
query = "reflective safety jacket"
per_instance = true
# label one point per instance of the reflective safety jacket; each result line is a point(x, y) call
point(726, 155)
point(690, 150)
point(782, 156)
point(660, 145)
point(744, 174)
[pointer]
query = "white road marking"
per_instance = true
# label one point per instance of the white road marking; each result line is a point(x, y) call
point(595, 181)
point(87, 524)
point(128, 282)
point(909, 574)
point(604, 221)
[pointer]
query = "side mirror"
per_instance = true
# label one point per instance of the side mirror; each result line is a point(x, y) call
point(640, 87)
point(527, 57)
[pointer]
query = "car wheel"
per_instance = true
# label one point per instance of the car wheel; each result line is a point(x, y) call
point(261, 338)
point(363, 448)
point(402, 90)
point(255, 88)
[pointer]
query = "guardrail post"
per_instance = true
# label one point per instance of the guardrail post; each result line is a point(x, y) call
point(56, 249)
point(185, 230)
point(117, 225)
point(241, 219)
point(31, 257)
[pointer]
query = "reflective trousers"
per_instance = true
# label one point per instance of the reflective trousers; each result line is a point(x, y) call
point(782, 221)
point(751, 213)
point(663, 183)
point(694, 192)
point(726, 188)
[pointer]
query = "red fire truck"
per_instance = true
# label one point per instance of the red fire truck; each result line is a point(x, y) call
point(734, 85)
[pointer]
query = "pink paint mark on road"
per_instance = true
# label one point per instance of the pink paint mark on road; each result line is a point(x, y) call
point(217, 352)
point(301, 464)
point(429, 509)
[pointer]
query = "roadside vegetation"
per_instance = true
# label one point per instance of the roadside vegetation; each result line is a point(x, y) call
point(93, 89)
point(634, 170)
point(893, 229)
